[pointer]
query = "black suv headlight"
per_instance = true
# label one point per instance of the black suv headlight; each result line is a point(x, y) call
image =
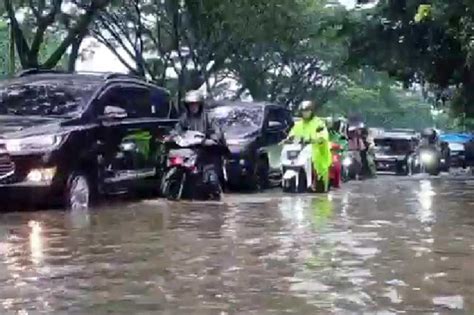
point(41, 143)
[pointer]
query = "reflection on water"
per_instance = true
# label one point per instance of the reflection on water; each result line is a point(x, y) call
point(36, 242)
point(425, 197)
point(380, 247)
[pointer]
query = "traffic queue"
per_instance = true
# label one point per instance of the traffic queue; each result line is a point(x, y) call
point(71, 138)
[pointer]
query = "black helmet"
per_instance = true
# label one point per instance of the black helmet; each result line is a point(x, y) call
point(429, 134)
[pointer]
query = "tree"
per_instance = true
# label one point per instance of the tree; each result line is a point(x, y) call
point(300, 55)
point(428, 45)
point(295, 48)
point(41, 16)
point(380, 100)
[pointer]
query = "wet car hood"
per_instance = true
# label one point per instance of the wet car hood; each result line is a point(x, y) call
point(239, 143)
point(24, 126)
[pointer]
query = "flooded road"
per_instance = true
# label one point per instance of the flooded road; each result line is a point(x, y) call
point(384, 246)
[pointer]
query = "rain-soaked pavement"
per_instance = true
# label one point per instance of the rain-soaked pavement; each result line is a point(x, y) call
point(384, 246)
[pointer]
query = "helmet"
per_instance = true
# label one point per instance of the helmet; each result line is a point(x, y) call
point(429, 133)
point(306, 105)
point(194, 96)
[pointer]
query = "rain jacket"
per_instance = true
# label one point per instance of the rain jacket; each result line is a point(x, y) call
point(200, 122)
point(322, 158)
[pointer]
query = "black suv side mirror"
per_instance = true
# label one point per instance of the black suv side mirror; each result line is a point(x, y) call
point(274, 126)
point(113, 113)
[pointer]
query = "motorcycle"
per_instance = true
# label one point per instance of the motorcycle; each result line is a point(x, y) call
point(191, 174)
point(429, 160)
point(297, 167)
point(335, 173)
point(351, 166)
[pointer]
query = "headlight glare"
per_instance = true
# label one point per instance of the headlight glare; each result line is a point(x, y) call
point(427, 157)
point(41, 175)
point(347, 161)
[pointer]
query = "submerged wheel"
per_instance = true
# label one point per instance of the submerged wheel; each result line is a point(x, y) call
point(263, 173)
point(336, 182)
point(320, 187)
point(289, 185)
point(78, 192)
point(260, 180)
point(302, 182)
point(174, 185)
point(434, 171)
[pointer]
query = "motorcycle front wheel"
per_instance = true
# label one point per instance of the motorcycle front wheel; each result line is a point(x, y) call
point(174, 184)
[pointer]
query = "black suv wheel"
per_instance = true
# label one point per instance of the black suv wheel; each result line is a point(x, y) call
point(78, 191)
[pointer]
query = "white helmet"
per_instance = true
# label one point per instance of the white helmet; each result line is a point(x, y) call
point(194, 96)
point(306, 105)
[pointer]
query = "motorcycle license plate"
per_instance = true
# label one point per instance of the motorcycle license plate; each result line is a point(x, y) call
point(292, 155)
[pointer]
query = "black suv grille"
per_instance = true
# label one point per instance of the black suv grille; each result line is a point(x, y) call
point(7, 167)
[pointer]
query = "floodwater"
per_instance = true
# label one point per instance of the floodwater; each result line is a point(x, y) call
point(384, 246)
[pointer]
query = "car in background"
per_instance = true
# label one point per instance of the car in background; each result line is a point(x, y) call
point(394, 151)
point(254, 132)
point(67, 137)
point(457, 146)
point(469, 152)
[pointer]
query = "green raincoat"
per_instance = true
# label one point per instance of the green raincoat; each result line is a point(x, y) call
point(322, 158)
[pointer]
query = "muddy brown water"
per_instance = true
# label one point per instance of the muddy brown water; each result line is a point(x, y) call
point(384, 246)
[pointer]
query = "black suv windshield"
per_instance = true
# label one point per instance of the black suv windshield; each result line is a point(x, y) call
point(236, 120)
point(394, 146)
point(51, 97)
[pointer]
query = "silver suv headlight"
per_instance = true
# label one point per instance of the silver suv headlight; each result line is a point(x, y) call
point(41, 143)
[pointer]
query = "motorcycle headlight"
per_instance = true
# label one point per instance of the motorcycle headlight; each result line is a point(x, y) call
point(427, 157)
point(347, 162)
point(33, 144)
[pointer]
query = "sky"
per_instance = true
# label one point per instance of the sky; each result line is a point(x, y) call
point(350, 4)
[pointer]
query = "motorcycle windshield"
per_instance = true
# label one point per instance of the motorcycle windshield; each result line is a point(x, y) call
point(189, 139)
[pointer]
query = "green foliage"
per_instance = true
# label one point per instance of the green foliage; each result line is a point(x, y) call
point(422, 44)
point(380, 102)
point(36, 24)
point(282, 50)
point(4, 45)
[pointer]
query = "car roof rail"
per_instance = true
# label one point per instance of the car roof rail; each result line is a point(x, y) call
point(33, 71)
point(117, 75)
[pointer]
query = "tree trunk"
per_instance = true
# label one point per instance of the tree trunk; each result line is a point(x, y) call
point(76, 45)
point(11, 52)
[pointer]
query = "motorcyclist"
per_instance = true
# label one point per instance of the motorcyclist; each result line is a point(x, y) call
point(356, 147)
point(368, 154)
point(313, 129)
point(195, 118)
point(430, 139)
point(338, 134)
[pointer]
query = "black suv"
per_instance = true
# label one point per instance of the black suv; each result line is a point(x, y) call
point(69, 136)
point(254, 132)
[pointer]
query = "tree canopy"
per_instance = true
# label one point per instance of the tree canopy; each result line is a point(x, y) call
point(430, 45)
point(387, 60)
